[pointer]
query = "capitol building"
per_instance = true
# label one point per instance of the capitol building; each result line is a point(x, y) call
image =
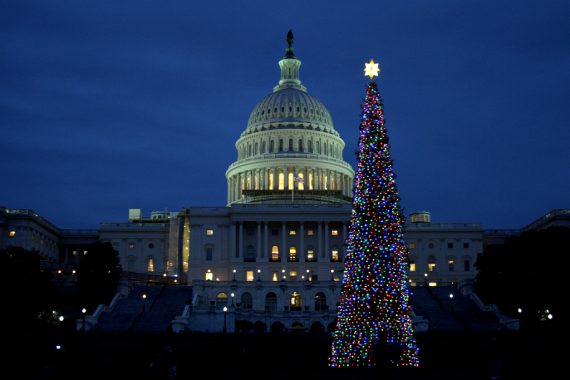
point(274, 253)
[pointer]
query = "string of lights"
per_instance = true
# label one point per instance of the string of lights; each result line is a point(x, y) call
point(374, 315)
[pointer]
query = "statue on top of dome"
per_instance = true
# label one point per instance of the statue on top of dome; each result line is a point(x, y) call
point(289, 53)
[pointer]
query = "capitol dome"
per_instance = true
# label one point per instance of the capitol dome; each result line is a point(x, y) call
point(290, 151)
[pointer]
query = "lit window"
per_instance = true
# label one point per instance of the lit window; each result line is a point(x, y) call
point(451, 265)
point(295, 299)
point(301, 182)
point(74, 253)
point(334, 232)
point(131, 245)
point(412, 266)
point(292, 253)
point(275, 253)
point(12, 233)
point(412, 246)
point(432, 283)
point(150, 265)
point(84, 253)
point(274, 276)
point(249, 276)
point(293, 275)
point(310, 232)
point(292, 232)
point(310, 254)
point(281, 181)
point(209, 232)
point(334, 254)
point(209, 275)
point(431, 267)
point(270, 181)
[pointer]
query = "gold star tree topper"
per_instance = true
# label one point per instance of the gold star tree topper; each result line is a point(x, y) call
point(371, 69)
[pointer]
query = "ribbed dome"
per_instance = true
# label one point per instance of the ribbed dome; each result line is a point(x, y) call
point(290, 108)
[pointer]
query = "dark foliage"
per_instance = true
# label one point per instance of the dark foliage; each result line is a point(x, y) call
point(98, 274)
point(27, 286)
point(527, 272)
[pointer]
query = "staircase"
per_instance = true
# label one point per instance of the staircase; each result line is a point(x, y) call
point(151, 314)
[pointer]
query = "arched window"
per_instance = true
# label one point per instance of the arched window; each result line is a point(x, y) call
point(271, 146)
point(262, 147)
point(281, 181)
point(246, 301)
point(295, 301)
point(249, 253)
point(310, 146)
point(271, 302)
point(292, 253)
point(300, 145)
point(249, 150)
point(221, 299)
point(334, 254)
point(256, 148)
point(150, 264)
point(275, 253)
point(271, 183)
point(281, 145)
point(290, 145)
point(318, 146)
point(451, 264)
point(209, 253)
point(311, 256)
point(290, 181)
point(412, 264)
point(320, 301)
point(466, 264)
point(431, 264)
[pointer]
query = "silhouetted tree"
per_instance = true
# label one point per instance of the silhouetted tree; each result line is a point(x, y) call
point(98, 274)
point(528, 272)
point(26, 287)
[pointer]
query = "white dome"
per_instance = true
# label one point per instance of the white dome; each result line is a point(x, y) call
point(290, 108)
point(290, 145)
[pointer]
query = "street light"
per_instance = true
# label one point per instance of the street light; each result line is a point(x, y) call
point(332, 274)
point(144, 301)
point(234, 274)
point(232, 295)
point(225, 319)
point(83, 311)
point(451, 298)
point(259, 275)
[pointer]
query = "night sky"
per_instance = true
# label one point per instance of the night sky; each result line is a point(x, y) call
point(111, 105)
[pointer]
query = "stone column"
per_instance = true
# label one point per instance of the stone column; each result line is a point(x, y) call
point(301, 254)
point(327, 239)
point(320, 239)
point(283, 241)
point(233, 251)
point(266, 239)
point(259, 249)
point(240, 241)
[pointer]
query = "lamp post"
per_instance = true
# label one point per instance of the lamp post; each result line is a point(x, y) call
point(451, 298)
point(232, 295)
point(144, 302)
point(225, 319)
point(332, 274)
point(234, 274)
point(83, 311)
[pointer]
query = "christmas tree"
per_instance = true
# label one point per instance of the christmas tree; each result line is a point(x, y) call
point(374, 315)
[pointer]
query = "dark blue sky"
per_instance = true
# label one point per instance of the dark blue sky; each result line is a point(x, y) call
point(111, 105)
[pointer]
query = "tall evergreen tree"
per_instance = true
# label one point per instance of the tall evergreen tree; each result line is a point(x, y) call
point(374, 316)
